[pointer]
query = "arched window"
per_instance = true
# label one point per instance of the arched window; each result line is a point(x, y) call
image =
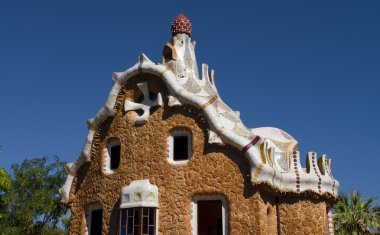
point(112, 156)
point(179, 146)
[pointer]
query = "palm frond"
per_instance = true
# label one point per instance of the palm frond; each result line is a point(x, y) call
point(354, 215)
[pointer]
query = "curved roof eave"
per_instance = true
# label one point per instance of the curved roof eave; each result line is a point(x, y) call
point(260, 171)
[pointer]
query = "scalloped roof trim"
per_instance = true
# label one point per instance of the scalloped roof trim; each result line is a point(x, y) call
point(260, 172)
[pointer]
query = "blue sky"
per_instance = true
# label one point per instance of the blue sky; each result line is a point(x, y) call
point(311, 68)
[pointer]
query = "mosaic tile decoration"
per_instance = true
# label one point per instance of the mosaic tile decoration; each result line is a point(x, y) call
point(181, 77)
point(316, 171)
point(296, 171)
point(181, 24)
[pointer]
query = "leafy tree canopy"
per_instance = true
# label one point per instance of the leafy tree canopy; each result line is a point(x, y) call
point(30, 203)
point(5, 184)
point(354, 215)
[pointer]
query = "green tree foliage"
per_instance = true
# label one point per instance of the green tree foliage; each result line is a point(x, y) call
point(30, 199)
point(354, 215)
point(5, 184)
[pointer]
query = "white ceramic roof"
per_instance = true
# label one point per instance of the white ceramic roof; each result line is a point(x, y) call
point(272, 152)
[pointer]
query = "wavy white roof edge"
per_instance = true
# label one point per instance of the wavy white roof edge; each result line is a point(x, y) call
point(316, 179)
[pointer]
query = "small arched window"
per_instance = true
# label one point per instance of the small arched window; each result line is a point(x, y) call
point(179, 145)
point(112, 156)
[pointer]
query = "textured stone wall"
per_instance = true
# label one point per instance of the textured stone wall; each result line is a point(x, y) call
point(301, 215)
point(213, 170)
point(271, 214)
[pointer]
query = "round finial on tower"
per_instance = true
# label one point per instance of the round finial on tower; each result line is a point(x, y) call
point(181, 24)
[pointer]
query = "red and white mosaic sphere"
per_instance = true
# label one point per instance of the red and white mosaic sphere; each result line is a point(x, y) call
point(181, 24)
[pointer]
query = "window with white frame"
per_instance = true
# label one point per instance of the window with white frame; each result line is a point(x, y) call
point(94, 220)
point(179, 146)
point(112, 153)
point(138, 220)
point(138, 214)
point(209, 215)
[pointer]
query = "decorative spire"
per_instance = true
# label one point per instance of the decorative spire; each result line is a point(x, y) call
point(181, 24)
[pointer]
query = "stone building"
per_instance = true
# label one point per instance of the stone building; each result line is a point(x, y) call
point(166, 155)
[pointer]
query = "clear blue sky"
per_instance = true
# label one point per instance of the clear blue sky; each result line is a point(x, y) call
point(311, 68)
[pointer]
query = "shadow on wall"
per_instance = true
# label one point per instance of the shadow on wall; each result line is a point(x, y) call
point(113, 222)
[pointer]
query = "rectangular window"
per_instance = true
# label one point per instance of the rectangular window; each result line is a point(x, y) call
point(115, 157)
point(179, 146)
point(138, 221)
point(181, 151)
point(96, 222)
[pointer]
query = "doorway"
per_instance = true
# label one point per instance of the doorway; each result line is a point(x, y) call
point(209, 215)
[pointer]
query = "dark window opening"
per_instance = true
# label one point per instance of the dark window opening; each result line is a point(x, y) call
point(153, 95)
point(115, 157)
point(138, 221)
point(140, 99)
point(167, 54)
point(96, 222)
point(181, 148)
point(210, 217)
point(139, 112)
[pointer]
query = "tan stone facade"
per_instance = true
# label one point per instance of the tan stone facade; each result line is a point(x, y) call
point(166, 155)
point(214, 169)
point(303, 216)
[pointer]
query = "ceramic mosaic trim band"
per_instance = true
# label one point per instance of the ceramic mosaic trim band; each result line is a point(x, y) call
point(212, 100)
point(333, 187)
point(251, 144)
point(180, 75)
point(296, 170)
point(327, 166)
point(313, 162)
point(259, 172)
point(328, 171)
point(330, 221)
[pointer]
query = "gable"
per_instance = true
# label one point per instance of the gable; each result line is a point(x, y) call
point(272, 154)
